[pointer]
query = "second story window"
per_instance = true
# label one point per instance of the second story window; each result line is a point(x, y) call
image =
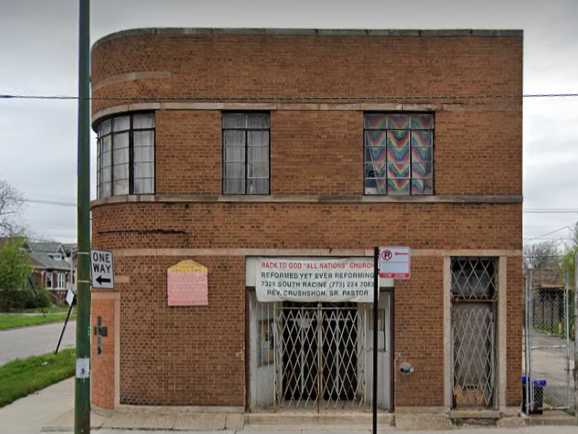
point(246, 153)
point(125, 155)
point(398, 153)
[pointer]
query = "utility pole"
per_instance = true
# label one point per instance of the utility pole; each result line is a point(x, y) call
point(82, 384)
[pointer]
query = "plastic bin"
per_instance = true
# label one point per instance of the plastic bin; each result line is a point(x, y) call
point(537, 405)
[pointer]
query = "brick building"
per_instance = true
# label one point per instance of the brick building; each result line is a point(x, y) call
point(239, 149)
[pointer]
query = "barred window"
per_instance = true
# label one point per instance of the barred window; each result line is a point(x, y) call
point(398, 153)
point(125, 155)
point(246, 147)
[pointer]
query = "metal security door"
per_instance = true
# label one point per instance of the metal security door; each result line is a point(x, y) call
point(473, 329)
point(319, 356)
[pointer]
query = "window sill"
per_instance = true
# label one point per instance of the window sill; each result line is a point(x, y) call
point(307, 198)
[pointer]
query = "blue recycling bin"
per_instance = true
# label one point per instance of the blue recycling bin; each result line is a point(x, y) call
point(537, 386)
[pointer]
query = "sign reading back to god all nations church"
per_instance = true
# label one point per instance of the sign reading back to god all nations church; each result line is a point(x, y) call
point(315, 279)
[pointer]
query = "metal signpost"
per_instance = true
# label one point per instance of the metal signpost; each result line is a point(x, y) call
point(390, 263)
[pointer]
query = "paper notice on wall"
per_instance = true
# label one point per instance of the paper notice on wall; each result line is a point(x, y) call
point(187, 284)
point(315, 279)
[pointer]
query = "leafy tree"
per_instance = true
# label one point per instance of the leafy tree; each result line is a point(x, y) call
point(568, 262)
point(15, 265)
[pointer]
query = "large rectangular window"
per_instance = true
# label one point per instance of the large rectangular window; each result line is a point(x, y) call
point(125, 155)
point(398, 153)
point(246, 147)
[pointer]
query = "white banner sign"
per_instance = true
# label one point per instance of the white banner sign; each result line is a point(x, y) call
point(315, 279)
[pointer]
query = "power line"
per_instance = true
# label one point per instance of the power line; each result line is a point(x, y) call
point(548, 233)
point(288, 98)
point(49, 202)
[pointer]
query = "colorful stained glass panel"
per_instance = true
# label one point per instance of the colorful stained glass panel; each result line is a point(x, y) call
point(421, 186)
point(398, 145)
point(397, 170)
point(420, 155)
point(422, 121)
point(398, 186)
point(375, 121)
point(422, 138)
point(375, 138)
point(421, 170)
point(397, 121)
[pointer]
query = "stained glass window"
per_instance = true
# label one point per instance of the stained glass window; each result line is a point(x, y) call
point(398, 153)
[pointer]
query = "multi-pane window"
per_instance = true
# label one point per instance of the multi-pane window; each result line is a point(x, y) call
point(246, 153)
point(125, 155)
point(398, 153)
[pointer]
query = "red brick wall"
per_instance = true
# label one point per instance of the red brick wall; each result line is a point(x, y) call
point(182, 355)
point(102, 365)
point(291, 225)
point(236, 65)
point(194, 356)
point(419, 334)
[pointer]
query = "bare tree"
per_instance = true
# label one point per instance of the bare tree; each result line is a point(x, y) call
point(10, 204)
point(541, 255)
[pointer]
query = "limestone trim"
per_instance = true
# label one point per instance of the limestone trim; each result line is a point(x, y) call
point(132, 76)
point(160, 103)
point(308, 198)
point(502, 346)
point(119, 253)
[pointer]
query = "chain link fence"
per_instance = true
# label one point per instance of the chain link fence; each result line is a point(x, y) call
point(549, 346)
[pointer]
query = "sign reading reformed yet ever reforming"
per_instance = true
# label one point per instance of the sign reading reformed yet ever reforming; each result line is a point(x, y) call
point(315, 279)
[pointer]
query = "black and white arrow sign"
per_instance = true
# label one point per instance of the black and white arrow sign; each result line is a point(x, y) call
point(101, 267)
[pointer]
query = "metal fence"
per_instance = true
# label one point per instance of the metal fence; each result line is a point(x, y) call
point(548, 349)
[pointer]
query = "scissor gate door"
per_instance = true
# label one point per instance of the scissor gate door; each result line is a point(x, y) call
point(320, 350)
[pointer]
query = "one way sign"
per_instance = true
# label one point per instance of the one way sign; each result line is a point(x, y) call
point(102, 275)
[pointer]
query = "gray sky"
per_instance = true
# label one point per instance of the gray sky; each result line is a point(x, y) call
point(38, 138)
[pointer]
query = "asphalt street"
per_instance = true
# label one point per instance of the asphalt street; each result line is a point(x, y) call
point(32, 341)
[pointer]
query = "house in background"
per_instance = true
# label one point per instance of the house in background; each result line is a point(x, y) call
point(52, 267)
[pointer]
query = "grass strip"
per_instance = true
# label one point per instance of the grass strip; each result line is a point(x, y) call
point(17, 320)
point(22, 377)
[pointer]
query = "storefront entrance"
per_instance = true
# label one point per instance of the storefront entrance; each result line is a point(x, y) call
point(316, 356)
point(321, 350)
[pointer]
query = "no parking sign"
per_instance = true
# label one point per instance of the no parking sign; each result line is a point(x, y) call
point(395, 262)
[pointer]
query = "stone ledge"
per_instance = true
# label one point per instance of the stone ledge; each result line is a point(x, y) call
point(307, 198)
point(153, 31)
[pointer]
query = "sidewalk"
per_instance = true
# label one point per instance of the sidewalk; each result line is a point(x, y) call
point(28, 415)
point(51, 410)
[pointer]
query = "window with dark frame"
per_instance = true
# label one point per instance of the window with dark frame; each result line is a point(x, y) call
point(125, 155)
point(398, 149)
point(246, 153)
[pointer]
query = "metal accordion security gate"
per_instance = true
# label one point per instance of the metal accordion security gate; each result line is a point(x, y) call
point(473, 329)
point(320, 355)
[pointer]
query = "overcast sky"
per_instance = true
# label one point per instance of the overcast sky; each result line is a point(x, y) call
point(39, 47)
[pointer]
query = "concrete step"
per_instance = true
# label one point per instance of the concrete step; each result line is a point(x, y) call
point(314, 429)
point(290, 419)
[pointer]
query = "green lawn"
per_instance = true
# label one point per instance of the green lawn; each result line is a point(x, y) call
point(24, 376)
point(32, 318)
